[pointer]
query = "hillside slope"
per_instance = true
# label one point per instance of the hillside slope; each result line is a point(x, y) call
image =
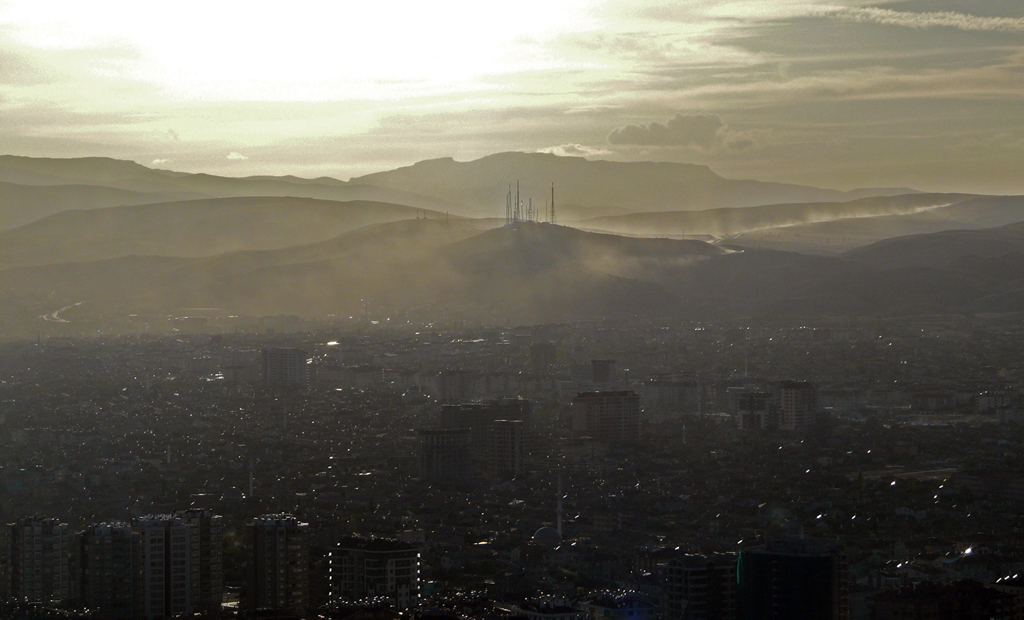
point(192, 228)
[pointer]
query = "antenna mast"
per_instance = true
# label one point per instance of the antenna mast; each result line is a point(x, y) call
point(553, 202)
point(517, 214)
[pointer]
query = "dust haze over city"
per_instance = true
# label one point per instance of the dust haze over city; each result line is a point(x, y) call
point(562, 310)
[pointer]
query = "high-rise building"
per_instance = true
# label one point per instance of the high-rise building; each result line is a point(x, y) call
point(543, 355)
point(479, 417)
point(505, 448)
point(210, 528)
point(670, 396)
point(597, 376)
point(698, 587)
point(482, 414)
point(754, 411)
point(182, 563)
point(612, 417)
point(40, 560)
point(362, 568)
point(241, 366)
point(111, 570)
point(444, 454)
point(806, 579)
point(603, 370)
point(166, 583)
point(798, 404)
point(278, 571)
point(285, 368)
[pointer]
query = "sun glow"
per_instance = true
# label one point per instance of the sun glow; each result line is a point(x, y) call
point(305, 50)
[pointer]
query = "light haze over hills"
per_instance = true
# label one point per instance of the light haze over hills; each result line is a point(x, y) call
point(475, 189)
point(583, 186)
point(301, 255)
point(191, 228)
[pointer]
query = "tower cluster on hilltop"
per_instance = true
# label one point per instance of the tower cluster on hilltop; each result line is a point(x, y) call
point(517, 211)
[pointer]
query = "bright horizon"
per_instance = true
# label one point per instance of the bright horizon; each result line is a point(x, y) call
point(922, 94)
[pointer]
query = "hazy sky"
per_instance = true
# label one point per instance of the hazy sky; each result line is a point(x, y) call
point(920, 93)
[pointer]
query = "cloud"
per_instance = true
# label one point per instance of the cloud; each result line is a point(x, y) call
point(236, 155)
point(699, 130)
point(158, 162)
point(19, 70)
point(935, 19)
point(707, 132)
point(574, 150)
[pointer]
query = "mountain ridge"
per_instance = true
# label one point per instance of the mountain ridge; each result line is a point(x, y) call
point(637, 186)
point(477, 188)
point(192, 228)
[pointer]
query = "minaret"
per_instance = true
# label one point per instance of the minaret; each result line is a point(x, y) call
point(559, 510)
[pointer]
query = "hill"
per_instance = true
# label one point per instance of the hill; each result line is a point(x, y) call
point(527, 272)
point(22, 204)
point(463, 269)
point(841, 235)
point(944, 250)
point(584, 188)
point(728, 222)
point(133, 177)
point(480, 186)
point(191, 228)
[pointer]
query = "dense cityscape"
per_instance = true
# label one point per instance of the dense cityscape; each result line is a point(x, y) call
point(621, 470)
point(553, 310)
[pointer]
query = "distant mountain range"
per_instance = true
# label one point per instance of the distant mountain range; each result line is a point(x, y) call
point(584, 188)
point(473, 189)
point(174, 247)
point(138, 184)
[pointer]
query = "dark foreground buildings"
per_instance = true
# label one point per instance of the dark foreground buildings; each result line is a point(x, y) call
point(793, 578)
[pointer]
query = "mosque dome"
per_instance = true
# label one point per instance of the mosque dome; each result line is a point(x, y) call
point(233, 495)
point(547, 537)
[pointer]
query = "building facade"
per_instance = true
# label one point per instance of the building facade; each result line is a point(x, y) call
point(444, 455)
point(699, 587)
point(278, 570)
point(798, 405)
point(362, 568)
point(755, 411)
point(40, 556)
point(111, 570)
point(505, 448)
point(285, 368)
point(612, 417)
point(182, 563)
point(793, 578)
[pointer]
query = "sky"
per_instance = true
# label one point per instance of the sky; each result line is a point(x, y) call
point(927, 94)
